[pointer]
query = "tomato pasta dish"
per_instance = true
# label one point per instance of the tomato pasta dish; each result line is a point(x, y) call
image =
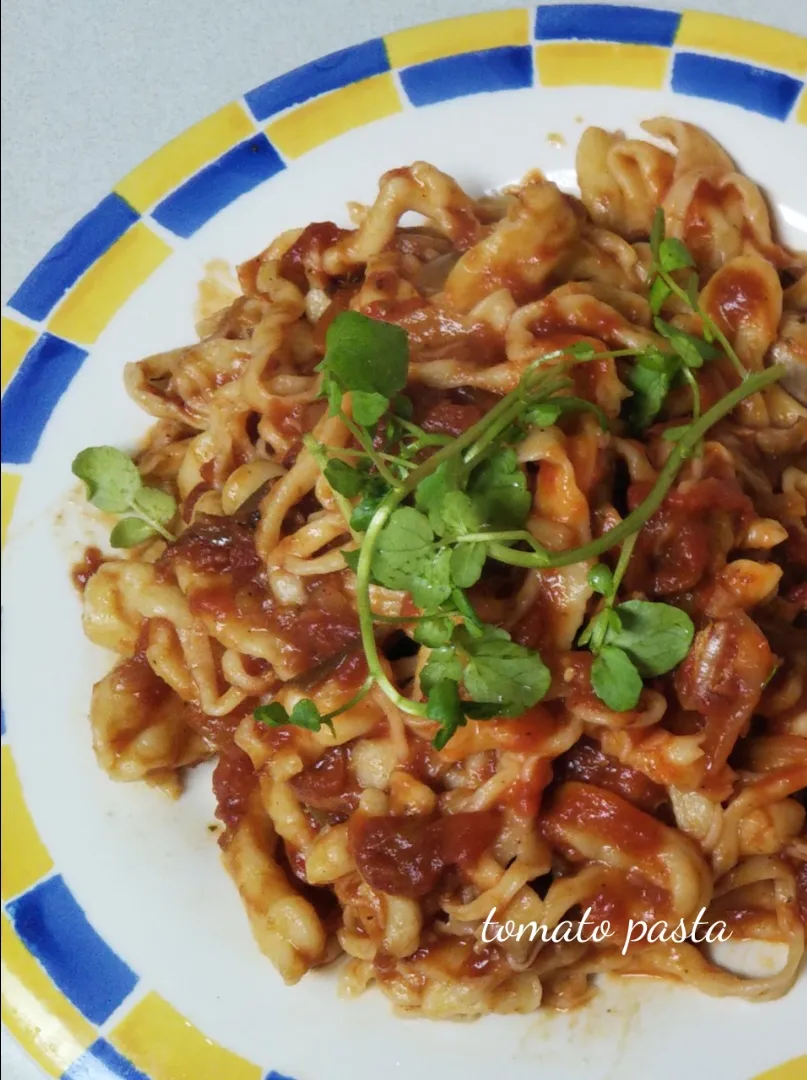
point(474, 550)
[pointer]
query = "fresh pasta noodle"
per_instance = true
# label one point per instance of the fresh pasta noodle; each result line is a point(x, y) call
point(586, 705)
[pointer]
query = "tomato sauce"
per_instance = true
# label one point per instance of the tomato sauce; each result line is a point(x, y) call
point(739, 296)
point(406, 856)
point(591, 765)
point(328, 784)
point(307, 249)
point(581, 807)
point(91, 562)
point(722, 678)
point(234, 780)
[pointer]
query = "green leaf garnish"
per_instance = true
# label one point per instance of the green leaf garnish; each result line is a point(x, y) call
point(404, 548)
point(433, 631)
point(430, 583)
point(366, 355)
point(443, 664)
point(368, 408)
point(471, 504)
point(615, 679)
point(443, 705)
point(352, 558)
point(498, 488)
point(543, 415)
point(692, 350)
point(375, 491)
point(111, 477)
point(655, 636)
point(659, 292)
point(129, 532)
point(344, 478)
point(155, 505)
point(650, 388)
point(673, 255)
point(467, 562)
point(114, 484)
point(601, 579)
point(500, 672)
point(304, 714)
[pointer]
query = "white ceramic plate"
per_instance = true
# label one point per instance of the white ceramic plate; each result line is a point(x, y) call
point(127, 951)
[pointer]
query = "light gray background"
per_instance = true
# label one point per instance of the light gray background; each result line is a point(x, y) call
point(92, 87)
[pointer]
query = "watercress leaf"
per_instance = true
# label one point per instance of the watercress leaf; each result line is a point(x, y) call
point(402, 406)
point(659, 291)
point(542, 414)
point(366, 354)
point(498, 487)
point(352, 559)
point(673, 255)
point(404, 547)
point(129, 532)
point(305, 714)
point(650, 388)
point(375, 491)
point(443, 704)
point(273, 715)
point(434, 631)
point(601, 579)
point(111, 477)
point(443, 663)
point(345, 478)
point(432, 491)
point(458, 515)
point(467, 561)
point(431, 583)
point(476, 710)
point(615, 680)
point(501, 672)
point(156, 505)
point(692, 350)
point(613, 621)
point(582, 350)
point(655, 636)
point(653, 358)
point(657, 233)
point(368, 408)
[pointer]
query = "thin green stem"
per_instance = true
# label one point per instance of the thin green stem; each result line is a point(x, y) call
point(366, 443)
point(690, 379)
point(621, 567)
point(503, 537)
point(425, 438)
point(719, 336)
point(340, 452)
point(642, 514)
point(363, 690)
point(317, 452)
point(465, 608)
point(164, 533)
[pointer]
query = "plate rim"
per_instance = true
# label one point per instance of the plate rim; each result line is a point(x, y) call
point(51, 323)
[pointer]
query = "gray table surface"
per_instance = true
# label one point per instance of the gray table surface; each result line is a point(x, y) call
point(92, 87)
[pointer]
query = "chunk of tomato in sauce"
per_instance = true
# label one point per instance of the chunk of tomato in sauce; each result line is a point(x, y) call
point(587, 762)
point(405, 856)
point(234, 780)
point(328, 784)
